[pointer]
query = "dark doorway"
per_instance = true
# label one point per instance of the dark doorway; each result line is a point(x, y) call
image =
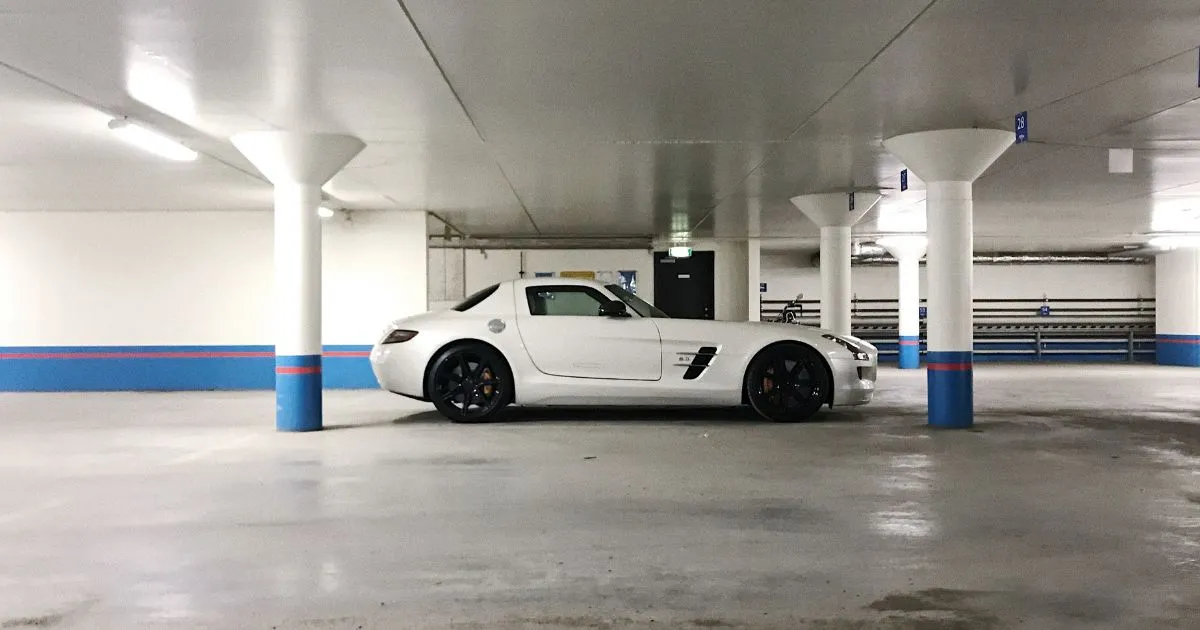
point(683, 287)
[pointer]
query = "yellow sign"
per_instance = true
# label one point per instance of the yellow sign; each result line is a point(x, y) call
point(580, 275)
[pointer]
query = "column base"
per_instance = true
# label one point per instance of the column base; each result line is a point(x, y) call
point(951, 390)
point(1179, 350)
point(298, 393)
point(910, 353)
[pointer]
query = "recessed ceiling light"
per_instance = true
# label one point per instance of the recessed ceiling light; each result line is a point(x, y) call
point(325, 212)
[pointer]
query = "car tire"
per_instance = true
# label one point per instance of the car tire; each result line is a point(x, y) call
point(799, 394)
point(470, 382)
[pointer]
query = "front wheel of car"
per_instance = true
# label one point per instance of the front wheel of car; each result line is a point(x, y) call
point(787, 383)
point(470, 383)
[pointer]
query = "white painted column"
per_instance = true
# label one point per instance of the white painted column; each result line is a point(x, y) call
point(297, 269)
point(949, 161)
point(298, 165)
point(835, 279)
point(835, 214)
point(908, 249)
point(1177, 307)
point(951, 250)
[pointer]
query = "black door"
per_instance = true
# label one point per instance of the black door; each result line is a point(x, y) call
point(683, 287)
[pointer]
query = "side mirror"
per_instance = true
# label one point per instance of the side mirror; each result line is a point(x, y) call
point(614, 308)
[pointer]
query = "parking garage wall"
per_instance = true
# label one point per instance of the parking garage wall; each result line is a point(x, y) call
point(787, 276)
point(455, 272)
point(184, 300)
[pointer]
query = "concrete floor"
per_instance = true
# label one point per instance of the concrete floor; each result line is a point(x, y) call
point(1075, 504)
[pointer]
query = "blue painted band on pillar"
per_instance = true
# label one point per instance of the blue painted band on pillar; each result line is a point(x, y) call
point(1181, 350)
point(298, 393)
point(951, 394)
point(910, 352)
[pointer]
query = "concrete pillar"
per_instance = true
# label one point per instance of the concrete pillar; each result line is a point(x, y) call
point(754, 278)
point(731, 281)
point(298, 165)
point(1177, 307)
point(908, 249)
point(835, 214)
point(949, 161)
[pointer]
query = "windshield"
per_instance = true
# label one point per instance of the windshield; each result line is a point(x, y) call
point(642, 307)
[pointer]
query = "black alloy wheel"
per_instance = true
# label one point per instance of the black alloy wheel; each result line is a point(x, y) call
point(470, 383)
point(787, 383)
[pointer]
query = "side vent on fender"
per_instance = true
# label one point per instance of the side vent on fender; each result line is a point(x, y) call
point(700, 363)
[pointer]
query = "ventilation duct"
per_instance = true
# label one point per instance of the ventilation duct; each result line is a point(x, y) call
point(540, 242)
point(1132, 257)
point(1031, 258)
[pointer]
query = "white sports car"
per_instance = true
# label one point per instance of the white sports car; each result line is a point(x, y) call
point(565, 342)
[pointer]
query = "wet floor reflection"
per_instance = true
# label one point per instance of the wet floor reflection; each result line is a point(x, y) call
point(906, 482)
point(1178, 508)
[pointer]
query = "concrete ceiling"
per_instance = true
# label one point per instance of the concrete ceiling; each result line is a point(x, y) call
point(614, 117)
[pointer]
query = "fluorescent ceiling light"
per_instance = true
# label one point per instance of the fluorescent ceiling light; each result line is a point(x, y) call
point(151, 141)
point(152, 79)
point(1176, 216)
point(1175, 241)
point(325, 212)
point(679, 252)
point(907, 218)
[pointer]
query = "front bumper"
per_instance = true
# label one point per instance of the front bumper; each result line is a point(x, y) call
point(854, 381)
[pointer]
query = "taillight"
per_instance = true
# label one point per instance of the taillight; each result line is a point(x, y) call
point(399, 336)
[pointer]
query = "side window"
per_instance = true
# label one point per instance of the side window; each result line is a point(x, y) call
point(565, 301)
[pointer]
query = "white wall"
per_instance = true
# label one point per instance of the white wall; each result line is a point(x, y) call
point(194, 278)
point(447, 276)
point(375, 270)
point(787, 275)
point(486, 268)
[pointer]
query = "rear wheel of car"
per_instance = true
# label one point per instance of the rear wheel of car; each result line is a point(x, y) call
point(470, 383)
point(787, 383)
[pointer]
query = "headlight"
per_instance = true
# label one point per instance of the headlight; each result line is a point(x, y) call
point(858, 353)
point(399, 336)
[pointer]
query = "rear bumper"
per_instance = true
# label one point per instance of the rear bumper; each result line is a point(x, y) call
point(854, 381)
point(398, 371)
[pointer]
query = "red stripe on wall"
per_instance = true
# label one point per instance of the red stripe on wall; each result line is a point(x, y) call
point(950, 367)
point(314, 369)
point(168, 355)
point(1190, 342)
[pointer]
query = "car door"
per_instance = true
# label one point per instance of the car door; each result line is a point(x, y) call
point(565, 335)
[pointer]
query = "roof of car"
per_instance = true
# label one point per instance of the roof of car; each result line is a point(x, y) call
point(557, 281)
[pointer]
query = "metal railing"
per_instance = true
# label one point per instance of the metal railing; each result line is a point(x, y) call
point(1038, 329)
